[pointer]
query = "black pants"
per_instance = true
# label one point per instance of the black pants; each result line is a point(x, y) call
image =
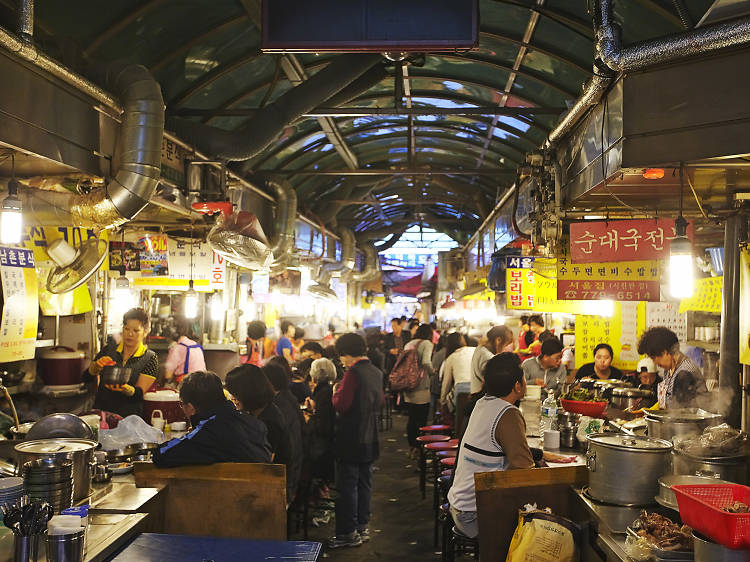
point(417, 418)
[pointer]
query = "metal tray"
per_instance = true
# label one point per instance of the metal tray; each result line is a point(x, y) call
point(666, 555)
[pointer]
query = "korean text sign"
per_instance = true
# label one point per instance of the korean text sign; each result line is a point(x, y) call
point(20, 304)
point(622, 240)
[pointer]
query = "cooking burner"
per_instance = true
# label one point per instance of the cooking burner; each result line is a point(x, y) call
point(588, 496)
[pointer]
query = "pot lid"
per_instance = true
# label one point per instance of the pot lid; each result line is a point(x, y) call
point(630, 442)
point(682, 414)
point(610, 382)
point(632, 392)
point(53, 446)
point(162, 396)
point(61, 352)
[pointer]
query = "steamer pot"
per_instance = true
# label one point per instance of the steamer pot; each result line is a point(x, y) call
point(682, 422)
point(733, 469)
point(167, 402)
point(60, 366)
point(624, 469)
point(80, 451)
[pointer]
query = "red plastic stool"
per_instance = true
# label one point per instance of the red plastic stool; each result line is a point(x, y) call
point(435, 427)
point(424, 440)
point(447, 454)
point(440, 446)
point(448, 462)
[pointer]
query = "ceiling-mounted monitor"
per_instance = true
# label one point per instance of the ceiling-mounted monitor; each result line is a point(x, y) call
point(369, 25)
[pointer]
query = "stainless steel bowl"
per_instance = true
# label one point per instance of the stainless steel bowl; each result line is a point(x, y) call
point(60, 425)
point(112, 374)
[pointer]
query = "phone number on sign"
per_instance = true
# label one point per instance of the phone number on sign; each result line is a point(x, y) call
point(615, 290)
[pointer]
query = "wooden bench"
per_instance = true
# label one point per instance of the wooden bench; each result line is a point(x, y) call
point(241, 500)
point(501, 494)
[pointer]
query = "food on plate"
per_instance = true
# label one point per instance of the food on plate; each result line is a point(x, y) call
point(736, 507)
point(662, 532)
point(580, 395)
point(552, 457)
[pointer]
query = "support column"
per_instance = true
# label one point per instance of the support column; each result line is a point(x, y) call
point(735, 230)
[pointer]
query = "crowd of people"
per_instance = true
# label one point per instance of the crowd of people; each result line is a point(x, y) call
point(314, 408)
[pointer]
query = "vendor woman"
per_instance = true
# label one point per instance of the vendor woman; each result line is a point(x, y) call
point(126, 399)
point(683, 385)
point(601, 367)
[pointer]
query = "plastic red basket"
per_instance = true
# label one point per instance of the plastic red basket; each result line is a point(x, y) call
point(700, 508)
point(591, 409)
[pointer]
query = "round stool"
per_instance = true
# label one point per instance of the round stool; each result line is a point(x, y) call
point(447, 472)
point(447, 454)
point(440, 446)
point(424, 440)
point(448, 462)
point(435, 427)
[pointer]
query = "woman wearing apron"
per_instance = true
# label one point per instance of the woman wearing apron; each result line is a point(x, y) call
point(185, 356)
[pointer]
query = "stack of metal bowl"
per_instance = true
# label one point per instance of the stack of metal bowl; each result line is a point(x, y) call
point(50, 480)
point(11, 490)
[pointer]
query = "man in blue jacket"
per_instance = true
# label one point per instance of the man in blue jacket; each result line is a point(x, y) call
point(357, 401)
point(219, 432)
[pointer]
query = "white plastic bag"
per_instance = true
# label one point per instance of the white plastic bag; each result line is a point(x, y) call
point(130, 430)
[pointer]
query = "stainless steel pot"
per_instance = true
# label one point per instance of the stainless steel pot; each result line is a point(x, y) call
point(624, 398)
point(683, 422)
point(604, 388)
point(80, 451)
point(666, 495)
point(708, 551)
point(733, 469)
point(624, 469)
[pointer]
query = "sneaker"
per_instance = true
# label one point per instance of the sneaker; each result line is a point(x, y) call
point(345, 541)
point(364, 534)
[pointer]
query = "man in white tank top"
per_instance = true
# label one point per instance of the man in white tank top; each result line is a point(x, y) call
point(495, 438)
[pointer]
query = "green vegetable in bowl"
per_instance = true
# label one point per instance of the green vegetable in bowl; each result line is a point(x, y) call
point(580, 395)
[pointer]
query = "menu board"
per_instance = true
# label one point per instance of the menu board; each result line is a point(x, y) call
point(147, 256)
point(619, 330)
point(208, 269)
point(706, 296)
point(20, 304)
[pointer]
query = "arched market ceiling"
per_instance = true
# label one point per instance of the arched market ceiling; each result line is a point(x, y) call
point(206, 56)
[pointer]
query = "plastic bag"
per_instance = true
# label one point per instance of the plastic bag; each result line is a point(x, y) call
point(587, 426)
point(130, 430)
point(239, 238)
point(543, 537)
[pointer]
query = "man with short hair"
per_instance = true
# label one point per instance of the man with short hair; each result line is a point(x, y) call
point(256, 333)
point(498, 337)
point(357, 400)
point(495, 438)
point(311, 350)
point(394, 343)
point(546, 369)
point(284, 346)
point(219, 432)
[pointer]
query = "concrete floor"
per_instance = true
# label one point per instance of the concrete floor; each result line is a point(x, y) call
point(402, 522)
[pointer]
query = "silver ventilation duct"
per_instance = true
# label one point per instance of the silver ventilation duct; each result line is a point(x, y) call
point(346, 263)
point(266, 125)
point(611, 57)
point(371, 269)
point(286, 215)
point(137, 161)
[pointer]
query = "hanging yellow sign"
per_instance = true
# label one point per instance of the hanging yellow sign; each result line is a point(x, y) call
point(535, 288)
point(706, 296)
point(745, 306)
point(620, 330)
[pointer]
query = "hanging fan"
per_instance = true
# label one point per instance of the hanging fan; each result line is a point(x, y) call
point(322, 290)
point(74, 267)
point(237, 237)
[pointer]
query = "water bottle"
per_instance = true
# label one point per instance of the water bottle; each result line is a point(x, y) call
point(549, 413)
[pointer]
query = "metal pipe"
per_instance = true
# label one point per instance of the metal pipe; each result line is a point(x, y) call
point(735, 230)
point(592, 95)
point(26, 19)
point(286, 216)
point(346, 263)
point(371, 269)
point(30, 53)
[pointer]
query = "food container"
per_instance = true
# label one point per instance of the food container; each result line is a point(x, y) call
point(732, 469)
point(60, 366)
point(666, 495)
point(113, 374)
point(701, 509)
point(624, 469)
point(682, 422)
point(167, 401)
point(624, 398)
point(590, 409)
point(707, 550)
point(568, 437)
point(79, 451)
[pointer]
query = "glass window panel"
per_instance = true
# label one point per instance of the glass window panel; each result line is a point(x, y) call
point(547, 97)
point(509, 19)
point(246, 77)
point(554, 70)
point(553, 36)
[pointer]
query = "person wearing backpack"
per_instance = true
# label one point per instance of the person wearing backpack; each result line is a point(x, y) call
point(418, 398)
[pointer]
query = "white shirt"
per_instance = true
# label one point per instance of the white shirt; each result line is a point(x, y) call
point(478, 361)
point(456, 368)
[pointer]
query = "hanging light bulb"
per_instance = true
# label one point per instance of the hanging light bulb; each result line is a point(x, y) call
point(681, 256)
point(681, 262)
point(191, 302)
point(11, 211)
